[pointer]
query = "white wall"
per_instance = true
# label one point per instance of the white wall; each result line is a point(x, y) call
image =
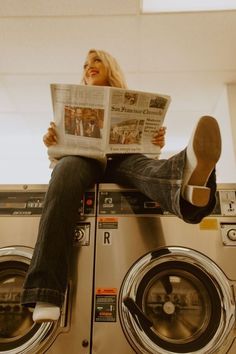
point(23, 160)
point(225, 108)
point(231, 91)
point(189, 56)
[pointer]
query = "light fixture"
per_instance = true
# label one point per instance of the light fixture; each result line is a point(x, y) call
point(155, 6)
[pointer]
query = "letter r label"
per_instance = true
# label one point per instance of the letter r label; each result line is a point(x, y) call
point(106, 238)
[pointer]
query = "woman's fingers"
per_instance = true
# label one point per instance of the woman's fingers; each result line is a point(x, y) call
point(50, 138)
point(159, 137)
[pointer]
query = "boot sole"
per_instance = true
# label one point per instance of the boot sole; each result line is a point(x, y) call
point(207, 149)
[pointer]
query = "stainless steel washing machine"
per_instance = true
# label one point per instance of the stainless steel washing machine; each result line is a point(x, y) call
point(162, 285)
point(20, 210)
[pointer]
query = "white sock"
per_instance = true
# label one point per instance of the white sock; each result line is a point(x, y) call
point(45, 312)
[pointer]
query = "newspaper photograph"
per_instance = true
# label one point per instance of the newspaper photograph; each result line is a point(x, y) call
point(95, 121)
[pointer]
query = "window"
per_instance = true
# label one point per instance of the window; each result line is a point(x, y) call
point(156, 6)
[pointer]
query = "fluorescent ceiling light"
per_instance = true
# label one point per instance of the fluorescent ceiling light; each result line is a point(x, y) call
point(186, 5)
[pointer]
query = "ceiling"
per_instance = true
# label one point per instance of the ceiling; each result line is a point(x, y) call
point(190, 56)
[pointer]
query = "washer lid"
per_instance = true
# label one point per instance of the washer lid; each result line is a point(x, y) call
point(176, 300)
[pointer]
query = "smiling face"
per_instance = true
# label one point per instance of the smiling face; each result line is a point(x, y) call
point(95, 72)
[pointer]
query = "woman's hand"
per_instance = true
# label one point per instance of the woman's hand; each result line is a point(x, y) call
point(50, 138)
point(159, 137)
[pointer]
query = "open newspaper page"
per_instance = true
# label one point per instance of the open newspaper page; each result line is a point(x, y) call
point(80, 115)
point(134, 118)
point(95, 121)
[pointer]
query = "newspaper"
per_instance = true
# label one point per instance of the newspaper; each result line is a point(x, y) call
point(96, 121)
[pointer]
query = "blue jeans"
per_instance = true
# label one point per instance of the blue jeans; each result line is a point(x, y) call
point(160, 180)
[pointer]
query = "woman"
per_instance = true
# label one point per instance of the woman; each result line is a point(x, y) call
point(183, 185)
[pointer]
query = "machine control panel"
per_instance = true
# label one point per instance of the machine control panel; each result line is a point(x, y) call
point(133, 202)
point(88, 203)
point(31, 203)
point(228, 202)
point(126, 203)
point(21, 203)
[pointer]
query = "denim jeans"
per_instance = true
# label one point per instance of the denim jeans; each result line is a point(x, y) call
point(160, 180)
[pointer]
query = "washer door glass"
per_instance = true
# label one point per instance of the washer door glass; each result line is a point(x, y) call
point(18, 332)
point(175, 300)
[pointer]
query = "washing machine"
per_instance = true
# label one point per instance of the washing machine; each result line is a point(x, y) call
point(162, 285)
point(20, 211)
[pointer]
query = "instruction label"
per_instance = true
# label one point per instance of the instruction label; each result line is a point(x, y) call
point(105, 305)
point(107, 223)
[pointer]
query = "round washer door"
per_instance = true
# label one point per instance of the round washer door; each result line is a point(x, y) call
point(176, 300)
point(18, 332)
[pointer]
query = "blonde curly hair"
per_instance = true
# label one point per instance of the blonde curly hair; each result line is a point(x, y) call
point(115, 74)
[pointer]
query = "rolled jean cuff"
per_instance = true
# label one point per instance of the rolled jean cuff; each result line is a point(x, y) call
point(193, 214)
point(30, 297)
